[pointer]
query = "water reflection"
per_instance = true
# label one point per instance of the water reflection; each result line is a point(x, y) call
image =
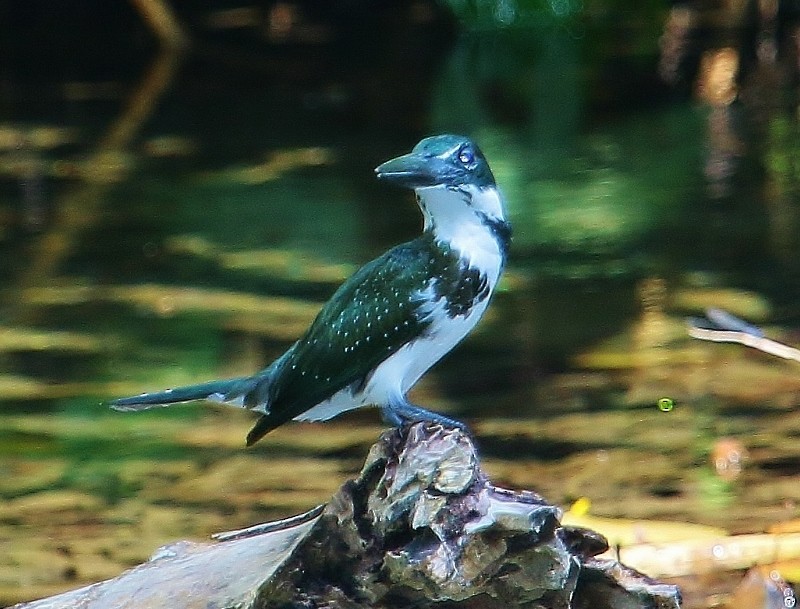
point(214, 214)
point(107, 164)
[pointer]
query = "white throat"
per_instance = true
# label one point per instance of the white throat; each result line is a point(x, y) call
point(458, 217)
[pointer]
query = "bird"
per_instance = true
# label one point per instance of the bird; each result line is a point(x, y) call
point(396, 316)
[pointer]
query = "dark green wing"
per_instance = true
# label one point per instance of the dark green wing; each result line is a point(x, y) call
point(369, 318)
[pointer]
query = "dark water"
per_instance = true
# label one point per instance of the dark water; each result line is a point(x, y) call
point(168, 218)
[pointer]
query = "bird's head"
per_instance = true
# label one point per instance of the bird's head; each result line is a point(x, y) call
point(440, 160)
point(455, 189)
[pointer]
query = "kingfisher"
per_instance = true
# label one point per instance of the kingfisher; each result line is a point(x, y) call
point(396, 316)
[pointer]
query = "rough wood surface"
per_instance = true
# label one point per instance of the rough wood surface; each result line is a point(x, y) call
point(421, 526)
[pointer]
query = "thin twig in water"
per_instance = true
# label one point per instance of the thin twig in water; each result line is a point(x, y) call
point(722, 327)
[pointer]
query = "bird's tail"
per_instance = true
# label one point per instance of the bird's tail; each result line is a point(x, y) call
point(265, 424)
point(231, 392)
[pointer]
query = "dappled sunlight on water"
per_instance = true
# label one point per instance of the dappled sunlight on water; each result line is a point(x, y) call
point(187, 221)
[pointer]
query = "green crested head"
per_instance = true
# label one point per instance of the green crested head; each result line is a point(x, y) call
point(440, 160)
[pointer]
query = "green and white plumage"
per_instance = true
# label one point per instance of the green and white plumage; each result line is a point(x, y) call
point(396, 316)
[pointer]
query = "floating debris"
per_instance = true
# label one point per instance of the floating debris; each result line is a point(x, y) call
point(625, 532)
point(722, 327)
point(697, 555)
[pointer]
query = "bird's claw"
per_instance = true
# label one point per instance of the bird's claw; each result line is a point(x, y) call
point(402, 414)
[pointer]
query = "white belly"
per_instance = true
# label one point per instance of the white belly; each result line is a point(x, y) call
point(402, 370)
point(395, 376)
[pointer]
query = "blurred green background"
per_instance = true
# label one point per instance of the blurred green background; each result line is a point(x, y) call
point(178, 197)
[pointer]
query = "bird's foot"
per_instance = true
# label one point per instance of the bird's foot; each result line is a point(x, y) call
point(402, 414)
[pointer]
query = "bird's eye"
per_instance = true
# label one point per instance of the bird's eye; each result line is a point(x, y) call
point(466, 156)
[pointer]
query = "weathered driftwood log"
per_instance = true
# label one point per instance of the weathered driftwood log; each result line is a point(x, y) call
point(421, 526)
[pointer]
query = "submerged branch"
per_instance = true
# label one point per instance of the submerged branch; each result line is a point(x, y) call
point(722, 327)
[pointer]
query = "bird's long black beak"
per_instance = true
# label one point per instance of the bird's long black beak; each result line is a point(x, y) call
point(412, 170)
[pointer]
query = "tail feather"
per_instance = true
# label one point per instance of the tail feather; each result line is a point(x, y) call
point(231, 392)
point(265, 424)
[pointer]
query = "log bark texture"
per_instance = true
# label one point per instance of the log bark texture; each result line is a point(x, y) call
point(421, 526)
